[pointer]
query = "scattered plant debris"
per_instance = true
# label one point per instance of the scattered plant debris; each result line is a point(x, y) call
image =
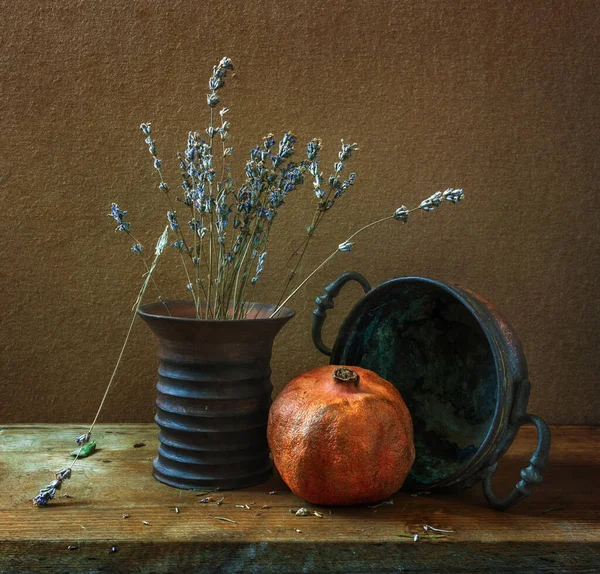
point(265, 506)
point(139, 444)
point(114, 549)
point(553, 509)
point(126, 515)
point(243, 506)
point(220, 501)
point(426, 527)
point(206, 499)
point(225, 519)
point(72, 547)
point(305, 512)
point(272, 492)
point(176, 510)
point(385, 502)
point(416, 537)
point(145, 523)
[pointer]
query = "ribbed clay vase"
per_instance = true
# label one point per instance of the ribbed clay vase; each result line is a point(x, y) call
point(214, 393)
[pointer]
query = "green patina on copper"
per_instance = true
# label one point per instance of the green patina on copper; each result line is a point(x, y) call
point(433, 350)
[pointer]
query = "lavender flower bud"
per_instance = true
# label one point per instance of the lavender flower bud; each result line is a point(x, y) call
point(313, 148)
point(83, 438)
point(268, 142)
point(116, 213)
point(119, 216)
point(227, 151)
point(346, 246)
point(226, 63)
point(347, 150)
point(137, 248)
point(190, 287)
point(211, 131)
point(223, 111)
point(212, 100)
point(64, 474)
point(260, 265)
point(163, 187)
point(454, 195)
point(178, 244)
point(401, 214)
point(44, 497)
point(432, 202)
point(172, 217)
point(157, 164)
point(146, 129)
point(216, 82)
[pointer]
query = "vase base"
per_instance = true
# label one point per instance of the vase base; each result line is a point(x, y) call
point(163, 475)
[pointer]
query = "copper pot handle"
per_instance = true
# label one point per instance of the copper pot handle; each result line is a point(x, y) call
point(530, 475)
point(325, 302)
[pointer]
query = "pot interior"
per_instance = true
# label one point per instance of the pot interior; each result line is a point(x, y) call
point(426, 341)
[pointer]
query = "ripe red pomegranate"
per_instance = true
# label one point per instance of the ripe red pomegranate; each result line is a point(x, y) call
point(340, 436)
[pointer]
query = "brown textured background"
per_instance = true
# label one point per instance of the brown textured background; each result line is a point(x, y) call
point(500, 98)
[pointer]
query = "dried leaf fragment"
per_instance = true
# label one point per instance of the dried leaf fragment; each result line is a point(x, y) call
point(86, 450)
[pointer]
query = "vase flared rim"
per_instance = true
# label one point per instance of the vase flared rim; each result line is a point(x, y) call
point(157, 310)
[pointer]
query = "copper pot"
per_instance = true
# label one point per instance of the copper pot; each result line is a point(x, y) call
point(460, 368)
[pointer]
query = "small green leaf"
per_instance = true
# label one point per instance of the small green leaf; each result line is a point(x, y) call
point(86, 450)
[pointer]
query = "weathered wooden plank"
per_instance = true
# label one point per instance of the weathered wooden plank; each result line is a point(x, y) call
point(557, 528)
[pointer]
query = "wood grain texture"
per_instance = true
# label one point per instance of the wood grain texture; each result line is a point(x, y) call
point(500, 98)
point(557, 529)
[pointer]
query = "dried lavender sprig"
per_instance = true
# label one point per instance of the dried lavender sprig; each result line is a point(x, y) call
point(400, 214)
point(125, 226)
point(326, 202)
point(146, 128)
point(48, 492)
point(259, 267)
point(119, 216)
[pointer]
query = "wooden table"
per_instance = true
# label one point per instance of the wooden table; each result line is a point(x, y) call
point(113, 501)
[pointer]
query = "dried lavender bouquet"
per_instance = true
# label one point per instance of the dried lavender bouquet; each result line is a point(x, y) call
point(221, 231)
